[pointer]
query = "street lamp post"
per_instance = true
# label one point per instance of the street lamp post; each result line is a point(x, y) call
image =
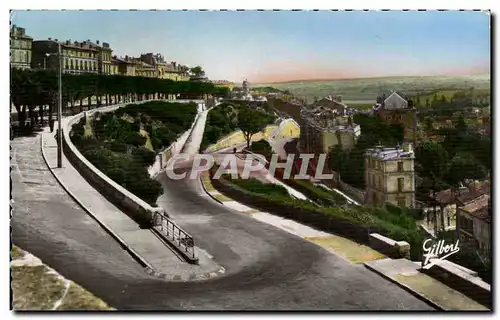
point(45, 61)
point(59, 112)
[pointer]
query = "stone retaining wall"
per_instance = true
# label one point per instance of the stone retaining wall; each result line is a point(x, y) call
point(164, 156)
point(129, 203)
point(389, 247)
point(355, 193)
point(453, 276)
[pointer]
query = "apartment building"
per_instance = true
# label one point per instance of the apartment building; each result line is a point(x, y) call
point(164, 70)
point(390, 176)
point(77, 57)
point(323, 128)
point(20, 48)
point(396, 110)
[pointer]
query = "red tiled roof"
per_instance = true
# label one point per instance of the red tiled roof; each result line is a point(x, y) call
point(474, 191)
point(477, 204)
point(483, 214)
point(444, 196)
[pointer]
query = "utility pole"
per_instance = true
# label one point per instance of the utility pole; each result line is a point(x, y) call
point(59, 113)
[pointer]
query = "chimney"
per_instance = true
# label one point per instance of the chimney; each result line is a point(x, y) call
point(50, 39)
point(97, 41)
point(408, 147)
point(56, 40)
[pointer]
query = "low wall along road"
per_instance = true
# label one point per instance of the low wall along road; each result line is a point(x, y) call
point(140, 211)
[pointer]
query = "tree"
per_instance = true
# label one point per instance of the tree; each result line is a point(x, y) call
point(433, 161)
point(429, 127)
point(464, 166)
point(250, 122)
point(460, 125)
point(197, 71)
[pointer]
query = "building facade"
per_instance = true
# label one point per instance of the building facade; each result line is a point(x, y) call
point(163, 69)
point(475, 225)
point(332, 103)
point(390, 176)
point(20, 48)
point(77, 57)
point(322, 129)
point(396, 110)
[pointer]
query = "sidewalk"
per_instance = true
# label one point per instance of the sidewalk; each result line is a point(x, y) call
point(405, 274)
point(143, 244)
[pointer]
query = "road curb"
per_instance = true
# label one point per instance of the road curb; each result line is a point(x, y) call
point(148, 268)
point(187, 277)
point(122, 242)
point(206, 191)
point(406, 288)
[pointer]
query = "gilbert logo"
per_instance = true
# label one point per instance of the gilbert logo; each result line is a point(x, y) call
point(436, 251)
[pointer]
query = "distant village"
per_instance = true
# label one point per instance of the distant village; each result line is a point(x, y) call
point(390, 173)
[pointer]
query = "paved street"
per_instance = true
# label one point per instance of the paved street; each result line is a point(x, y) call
point(267, 268)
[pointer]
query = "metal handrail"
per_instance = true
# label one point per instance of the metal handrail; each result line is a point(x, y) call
point(173, 232)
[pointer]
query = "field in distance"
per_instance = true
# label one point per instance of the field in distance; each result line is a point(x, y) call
point(363, 92)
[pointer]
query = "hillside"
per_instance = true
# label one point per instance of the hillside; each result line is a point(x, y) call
point(362, 91)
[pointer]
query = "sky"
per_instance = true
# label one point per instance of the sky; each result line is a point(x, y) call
point(267, 46)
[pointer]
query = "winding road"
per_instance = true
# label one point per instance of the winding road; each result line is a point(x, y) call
point(267, 268)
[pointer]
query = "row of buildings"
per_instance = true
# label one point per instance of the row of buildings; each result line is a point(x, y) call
point(88, 57)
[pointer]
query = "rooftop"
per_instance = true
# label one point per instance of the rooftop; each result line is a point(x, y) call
point(391, 153)
point(474, 191)
point(476, 205)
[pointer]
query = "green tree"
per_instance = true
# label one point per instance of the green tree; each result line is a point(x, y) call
point(250, 122)
point(197, 71)
point(433, 164)
point(460, 125)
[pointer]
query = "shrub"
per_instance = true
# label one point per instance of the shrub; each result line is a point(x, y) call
point(156, 143)
point(144, 156)
point(118, 146)
point(261, 147)
point(113, 136)
point(134, 138)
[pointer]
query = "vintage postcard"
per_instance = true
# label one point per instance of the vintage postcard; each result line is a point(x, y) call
point(251, 160)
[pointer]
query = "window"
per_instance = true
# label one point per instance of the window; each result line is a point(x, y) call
point(466, 225)
point(400, 166)
point(401, 182)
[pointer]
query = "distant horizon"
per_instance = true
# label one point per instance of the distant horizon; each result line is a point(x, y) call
point(370, 77)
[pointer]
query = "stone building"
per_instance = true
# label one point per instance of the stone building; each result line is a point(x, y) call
point(20, 48)
point(390, 176)
point(322, 128)
point(332, 103)
point(143, 69)
point(165, 70)
point(396, 110)
point(77, 57)
point(475, 225)
point(125, 65)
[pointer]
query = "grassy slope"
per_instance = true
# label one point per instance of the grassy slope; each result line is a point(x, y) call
point(37, 287)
